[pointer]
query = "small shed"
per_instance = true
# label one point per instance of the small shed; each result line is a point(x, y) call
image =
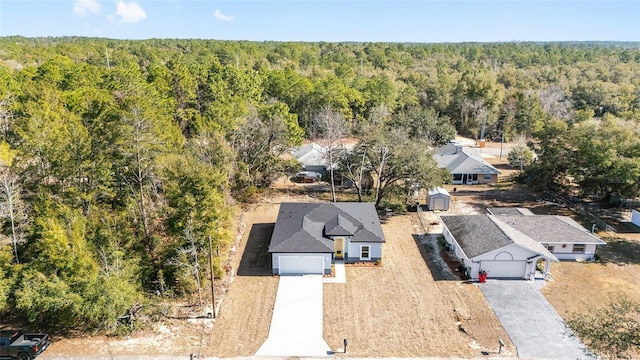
point(438, 198)
point(635, 217)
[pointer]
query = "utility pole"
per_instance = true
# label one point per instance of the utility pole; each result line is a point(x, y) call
point(501, 142)
point(107, 52)
point(213, 291)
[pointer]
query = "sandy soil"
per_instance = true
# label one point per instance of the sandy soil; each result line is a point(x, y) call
point(400, 310)
point(245, 316)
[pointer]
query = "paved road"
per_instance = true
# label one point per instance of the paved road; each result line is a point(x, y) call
point(534, 326)
point(296, 325)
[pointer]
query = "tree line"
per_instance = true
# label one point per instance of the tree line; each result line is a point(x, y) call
point(120, 160)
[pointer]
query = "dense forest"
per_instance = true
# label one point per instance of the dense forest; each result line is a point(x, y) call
point(121, 160)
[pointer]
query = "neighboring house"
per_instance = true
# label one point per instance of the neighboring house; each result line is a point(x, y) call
point(308, 237)
point(312, 158)
point(565, 238)
point(485, 242)
point(635, 217)
point(438, 198)
point(465, 168)
point(509, 211)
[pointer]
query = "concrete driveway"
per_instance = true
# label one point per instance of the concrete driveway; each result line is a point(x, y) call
point(296, 325)
point(534, 326)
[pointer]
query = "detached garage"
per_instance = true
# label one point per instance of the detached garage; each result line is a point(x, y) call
point(484, 242)
point(438, 198)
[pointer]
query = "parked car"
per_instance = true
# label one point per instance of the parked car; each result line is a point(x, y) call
point(15, 344)
point(307, 177)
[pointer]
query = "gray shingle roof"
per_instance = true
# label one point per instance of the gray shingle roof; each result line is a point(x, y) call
point(511, 211)
point(551, 229)
point(476, 234)
point(311, 154)
point(520, 238)
point(460, 162)
point(302, 227)
point(339, 225)
point(480, 234)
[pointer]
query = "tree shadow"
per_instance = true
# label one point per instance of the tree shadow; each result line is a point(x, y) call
point(620, 251)
point(256, 260)
point(428, 252)
point(627, 227)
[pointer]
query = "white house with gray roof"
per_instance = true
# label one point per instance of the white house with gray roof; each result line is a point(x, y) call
point(312, 157)
point(565, 238)
point(465, 168)
point(308, 237)
point(486, 242)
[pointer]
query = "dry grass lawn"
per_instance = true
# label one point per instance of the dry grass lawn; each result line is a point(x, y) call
point(394, 310)
point(399, 310)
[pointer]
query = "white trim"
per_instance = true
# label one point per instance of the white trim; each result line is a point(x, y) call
point(281, 257)
point(368, 251)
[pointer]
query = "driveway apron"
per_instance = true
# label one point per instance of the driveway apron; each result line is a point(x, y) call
point(534, 326)
point(296, 325)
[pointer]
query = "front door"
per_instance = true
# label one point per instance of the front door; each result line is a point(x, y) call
point(338, 248)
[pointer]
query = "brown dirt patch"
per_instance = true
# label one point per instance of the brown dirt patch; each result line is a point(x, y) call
point(400, 310)
point(245, 316)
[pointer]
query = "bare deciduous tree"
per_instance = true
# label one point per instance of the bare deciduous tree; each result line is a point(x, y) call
point(6, 116)
point(12, 208)
point(330, 126)
point(188, 260)
point(554, 102)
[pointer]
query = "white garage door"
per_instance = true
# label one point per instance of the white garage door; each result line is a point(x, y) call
point(504, 269)
point(298, 265)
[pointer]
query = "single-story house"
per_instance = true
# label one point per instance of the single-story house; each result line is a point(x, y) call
point(308, 237)
point(312, 158)
point(465, 168)
point(565, 238)
point(438, 198)
point(485, 242)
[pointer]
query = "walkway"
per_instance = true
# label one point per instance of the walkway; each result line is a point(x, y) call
point(296, 325)
point(533, 325)
point(340, 275)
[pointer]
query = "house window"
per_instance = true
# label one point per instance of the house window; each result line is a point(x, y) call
point(578, 248)
point(487, 177)
point(365, 252)
point(457, 177)
point(550, 248)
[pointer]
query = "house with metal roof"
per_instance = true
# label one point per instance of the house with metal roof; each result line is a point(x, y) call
point(487, 243)
point(465, 168)
point(308, 237)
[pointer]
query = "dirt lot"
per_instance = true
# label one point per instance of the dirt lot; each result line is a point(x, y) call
point(400, 310)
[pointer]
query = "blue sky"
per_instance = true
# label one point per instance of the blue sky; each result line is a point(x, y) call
point(330, 20)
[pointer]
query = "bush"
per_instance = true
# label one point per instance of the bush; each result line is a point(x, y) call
point(613, 331)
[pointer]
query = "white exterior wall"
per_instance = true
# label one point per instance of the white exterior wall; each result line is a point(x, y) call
point(353, 251)
point(635, 217)
point(454, 245)
point(275, 265)
point(566, 253)
point(510, 252)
